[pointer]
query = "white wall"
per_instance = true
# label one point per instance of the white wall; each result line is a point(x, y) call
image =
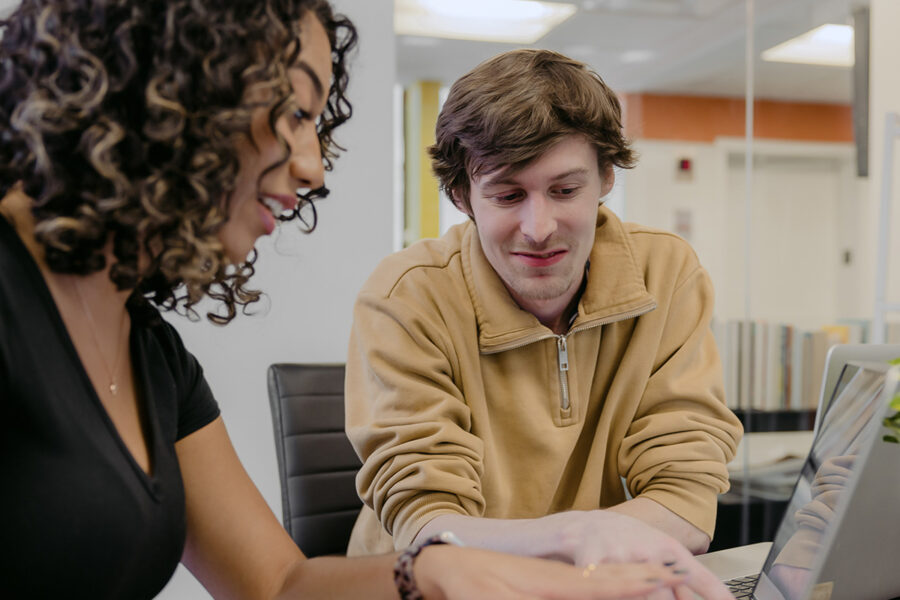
point(805, 205)
point(312, 283)
point(655, 190)
point(884, 96)
point(795, 252)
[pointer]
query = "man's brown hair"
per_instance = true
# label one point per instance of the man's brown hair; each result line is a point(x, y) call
point(510, 109)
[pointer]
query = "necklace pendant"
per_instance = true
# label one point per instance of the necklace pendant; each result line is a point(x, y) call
point(113, 388)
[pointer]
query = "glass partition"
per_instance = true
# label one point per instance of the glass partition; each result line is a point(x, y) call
point(790, 249)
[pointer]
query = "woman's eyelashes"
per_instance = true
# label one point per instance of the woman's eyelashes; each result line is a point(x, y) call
point(301, 116)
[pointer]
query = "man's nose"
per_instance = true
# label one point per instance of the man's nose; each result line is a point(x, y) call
point(538, 219)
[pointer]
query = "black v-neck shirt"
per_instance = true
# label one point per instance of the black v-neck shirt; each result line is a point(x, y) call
point(79, 518)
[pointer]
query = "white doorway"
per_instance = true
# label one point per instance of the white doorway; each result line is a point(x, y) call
point(802, 238)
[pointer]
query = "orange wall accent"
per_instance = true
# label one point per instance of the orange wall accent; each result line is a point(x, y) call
point(703, 118)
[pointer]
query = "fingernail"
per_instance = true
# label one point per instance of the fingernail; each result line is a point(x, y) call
point(669, 563)
point(653, 580)
point(680, 571)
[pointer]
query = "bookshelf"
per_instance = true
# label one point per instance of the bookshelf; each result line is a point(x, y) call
point(776, 420)
point(764, 514)
point(777, 367)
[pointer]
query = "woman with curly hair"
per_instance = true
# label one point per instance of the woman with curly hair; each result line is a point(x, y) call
point(145, 145)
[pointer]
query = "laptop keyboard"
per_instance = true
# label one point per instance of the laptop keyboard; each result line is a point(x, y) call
point(742, 587)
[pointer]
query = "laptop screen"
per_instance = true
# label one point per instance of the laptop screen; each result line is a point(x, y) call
point(845, 427)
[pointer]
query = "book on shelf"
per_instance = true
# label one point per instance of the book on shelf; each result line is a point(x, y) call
point(771, 366)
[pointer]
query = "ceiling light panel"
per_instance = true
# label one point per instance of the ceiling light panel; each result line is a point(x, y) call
point(510, 21)
point(659, 8)
point(829, 45)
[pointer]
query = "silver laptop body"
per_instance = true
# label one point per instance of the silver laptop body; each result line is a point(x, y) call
point(839, 538)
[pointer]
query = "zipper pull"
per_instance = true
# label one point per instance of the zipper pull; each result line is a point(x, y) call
point(563, 353)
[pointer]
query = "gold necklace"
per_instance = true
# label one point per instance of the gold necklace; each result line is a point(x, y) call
point(113, 385)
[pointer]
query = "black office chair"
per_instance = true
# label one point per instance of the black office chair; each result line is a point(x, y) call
point(316, 463)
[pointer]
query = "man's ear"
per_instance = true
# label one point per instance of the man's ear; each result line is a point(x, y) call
point(607, 180)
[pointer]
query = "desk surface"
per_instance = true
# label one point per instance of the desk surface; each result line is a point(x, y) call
point(736, 562)
point(765, 448)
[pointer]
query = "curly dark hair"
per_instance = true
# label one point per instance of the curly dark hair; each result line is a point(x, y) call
point(119, 120)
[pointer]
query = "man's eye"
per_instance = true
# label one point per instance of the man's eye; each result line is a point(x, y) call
point(507, 198)
point(302, 115)
point(568, 191)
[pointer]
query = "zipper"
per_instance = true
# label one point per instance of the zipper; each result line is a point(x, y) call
point(563, 355)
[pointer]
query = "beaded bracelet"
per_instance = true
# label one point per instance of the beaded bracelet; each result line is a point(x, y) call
point(403, 568)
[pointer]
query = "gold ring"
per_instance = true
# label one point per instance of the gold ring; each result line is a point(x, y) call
point(588, 570)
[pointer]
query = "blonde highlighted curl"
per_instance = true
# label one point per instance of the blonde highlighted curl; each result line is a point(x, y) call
point(120, 118)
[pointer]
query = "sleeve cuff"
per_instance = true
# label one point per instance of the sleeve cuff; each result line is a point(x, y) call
point(419, 512)
point(695, 503)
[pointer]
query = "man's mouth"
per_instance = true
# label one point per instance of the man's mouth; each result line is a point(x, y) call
point(540, 259)
point(540, 254)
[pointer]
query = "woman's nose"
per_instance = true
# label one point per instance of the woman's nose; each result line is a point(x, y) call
point(306, 164)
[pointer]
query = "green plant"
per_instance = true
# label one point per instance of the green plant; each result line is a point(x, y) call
point(893, 422)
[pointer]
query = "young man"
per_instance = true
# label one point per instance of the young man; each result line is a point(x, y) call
point(505, 380)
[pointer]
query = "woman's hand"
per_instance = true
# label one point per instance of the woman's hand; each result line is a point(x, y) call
point(453, 573)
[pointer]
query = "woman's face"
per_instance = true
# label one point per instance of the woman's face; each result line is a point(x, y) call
point(256, 202)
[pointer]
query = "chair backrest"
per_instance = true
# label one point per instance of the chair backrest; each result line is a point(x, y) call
point(316, 463)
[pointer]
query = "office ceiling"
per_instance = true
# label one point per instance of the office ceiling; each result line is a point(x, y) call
point(692, 47)
point(666, 46)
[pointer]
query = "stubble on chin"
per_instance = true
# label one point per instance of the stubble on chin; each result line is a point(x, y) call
point(545, 290)
point(528, 286)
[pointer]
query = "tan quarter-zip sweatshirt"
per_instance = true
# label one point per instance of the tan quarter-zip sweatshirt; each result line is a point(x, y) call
point(458, 401)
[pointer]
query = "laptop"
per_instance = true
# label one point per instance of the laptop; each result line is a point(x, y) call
point(838, 539)
point(838, 356)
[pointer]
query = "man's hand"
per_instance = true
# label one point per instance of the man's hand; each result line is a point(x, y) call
point(586, 538)
point(451, 573)
point(605, 536)
point(658, 516)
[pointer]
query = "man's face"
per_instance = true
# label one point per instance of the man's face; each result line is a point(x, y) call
point(537, 226)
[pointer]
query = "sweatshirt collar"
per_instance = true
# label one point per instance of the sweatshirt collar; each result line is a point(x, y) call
point(615, 289)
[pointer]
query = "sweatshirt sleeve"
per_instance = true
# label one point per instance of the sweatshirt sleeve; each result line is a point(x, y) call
point(683, 435)
point(407, 420)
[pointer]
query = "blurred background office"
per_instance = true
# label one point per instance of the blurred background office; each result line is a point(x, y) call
point(792, 250)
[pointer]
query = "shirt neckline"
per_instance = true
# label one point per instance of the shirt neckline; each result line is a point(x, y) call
point(10, 238)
